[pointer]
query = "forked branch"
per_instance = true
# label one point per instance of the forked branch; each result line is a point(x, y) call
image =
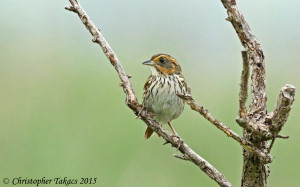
point(258, 125)
point(264, 157)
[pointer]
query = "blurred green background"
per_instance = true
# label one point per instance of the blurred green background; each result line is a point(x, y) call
point(63, 112)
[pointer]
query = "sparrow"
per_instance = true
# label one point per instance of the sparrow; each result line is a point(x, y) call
point(161, 88)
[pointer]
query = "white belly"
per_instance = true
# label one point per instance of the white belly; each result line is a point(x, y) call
point(163, 102)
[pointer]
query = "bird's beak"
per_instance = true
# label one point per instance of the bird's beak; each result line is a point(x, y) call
point(149, 63)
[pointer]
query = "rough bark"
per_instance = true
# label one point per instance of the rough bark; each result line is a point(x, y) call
point(258, 126)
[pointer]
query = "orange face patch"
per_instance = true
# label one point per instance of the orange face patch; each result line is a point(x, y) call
point(165, 64)
point(164, 70)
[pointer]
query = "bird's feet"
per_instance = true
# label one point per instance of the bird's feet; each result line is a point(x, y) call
point(178, 140)
point(138, 116)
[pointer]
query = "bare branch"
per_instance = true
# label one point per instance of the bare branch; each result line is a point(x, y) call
point(265, 158)
point(258, 108)
point(282, 136)
point(257, 128)
point(271, 145)
point(278, 117)
point(182, 157)
point(244, 86)
point(242, 119)
point(70, 8)
point(254, 173)
point(132, 102)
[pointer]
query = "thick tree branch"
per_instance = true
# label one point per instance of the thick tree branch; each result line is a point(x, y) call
point(258, 105)
point(265, 158)
point(132, 102)
point(259, 129)
point(254, 173)
point(258, 126)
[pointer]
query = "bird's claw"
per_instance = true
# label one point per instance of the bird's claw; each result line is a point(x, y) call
point(166, 142)
point(138, 116)
point(179, 141)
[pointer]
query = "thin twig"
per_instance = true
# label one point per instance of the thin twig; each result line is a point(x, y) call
point(282, 136)
point(244, 86)
point(273, 140)
point(182, 157)
point(265, 158)
point(271, 145)
point(70, 8)
point(133, 104)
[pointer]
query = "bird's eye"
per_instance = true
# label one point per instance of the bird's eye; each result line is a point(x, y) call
point(162, 60)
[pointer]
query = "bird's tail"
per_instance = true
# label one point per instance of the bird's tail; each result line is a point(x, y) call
point(148, 133)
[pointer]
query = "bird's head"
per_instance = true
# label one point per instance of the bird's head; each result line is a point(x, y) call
point(163, 64)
